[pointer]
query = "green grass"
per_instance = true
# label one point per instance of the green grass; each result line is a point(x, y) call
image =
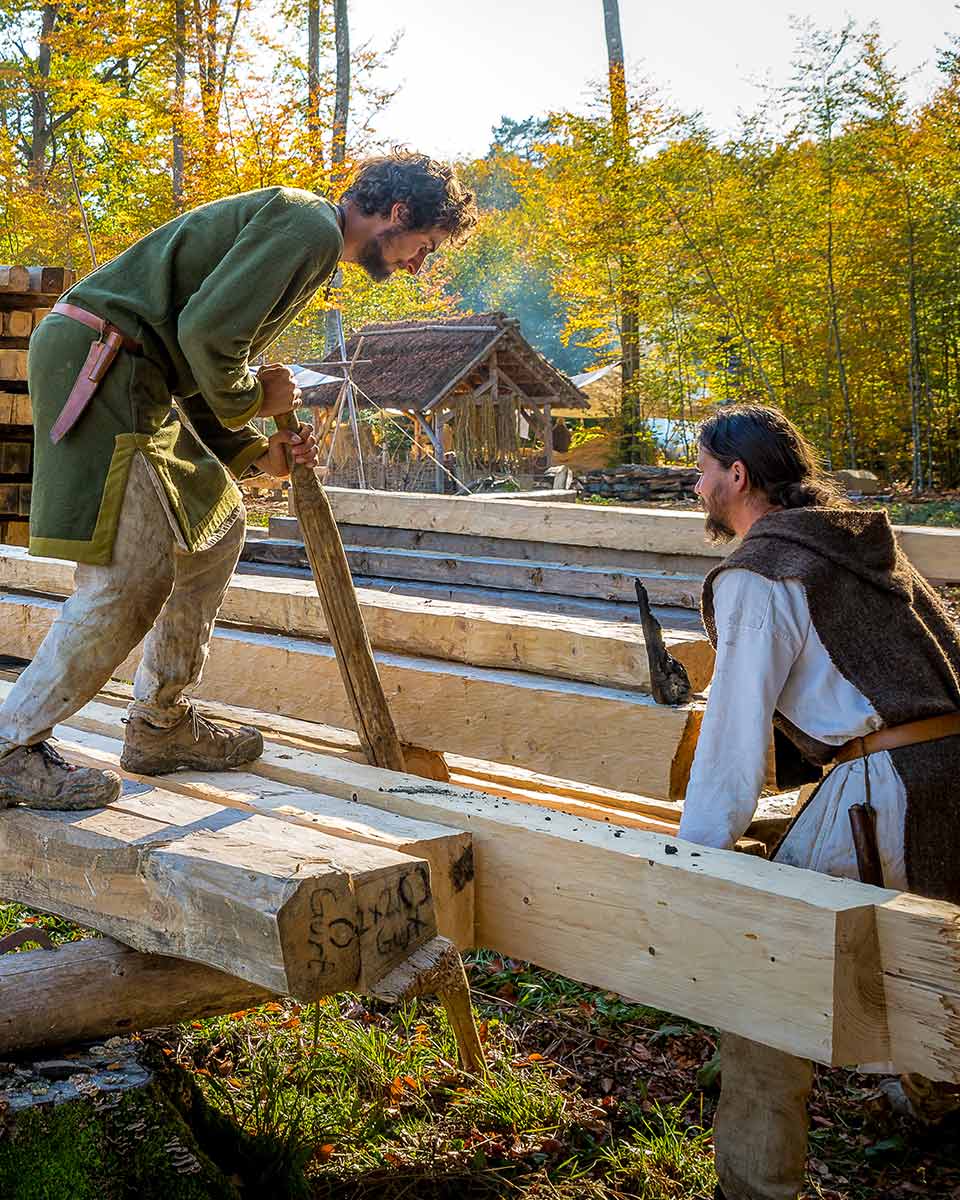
point(589, 1097)
point(928, 512)
point(370, 1100)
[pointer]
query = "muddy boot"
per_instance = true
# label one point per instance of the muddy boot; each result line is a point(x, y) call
point(194, 742)
point(38, 777)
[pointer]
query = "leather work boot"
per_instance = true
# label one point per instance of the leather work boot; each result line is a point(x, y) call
point(38, 777)
point(195, 742)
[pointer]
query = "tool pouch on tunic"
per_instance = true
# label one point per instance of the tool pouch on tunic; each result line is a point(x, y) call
point(98, 362)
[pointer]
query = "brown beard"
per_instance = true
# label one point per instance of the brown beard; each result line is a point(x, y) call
point(717, 530)
point(371, 257)
point(372, 261)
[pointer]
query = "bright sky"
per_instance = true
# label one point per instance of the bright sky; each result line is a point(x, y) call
point(463, 66)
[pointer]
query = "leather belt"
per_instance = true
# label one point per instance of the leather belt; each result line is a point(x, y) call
point(100, 358)
point(929, 729)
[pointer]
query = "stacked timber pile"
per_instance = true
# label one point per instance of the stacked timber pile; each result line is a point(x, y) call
point(569, 560)
point(564, 559)
point(635, 482)
point(504, 629)
point(478, 682)
point(26, 296)
point(532, 691)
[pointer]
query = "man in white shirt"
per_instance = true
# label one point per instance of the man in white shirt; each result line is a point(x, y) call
point(821, 626)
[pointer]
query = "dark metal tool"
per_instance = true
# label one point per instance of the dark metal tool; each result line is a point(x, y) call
point(669, 682)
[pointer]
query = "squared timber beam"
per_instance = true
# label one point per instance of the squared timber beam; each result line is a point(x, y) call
point(510, 717)
point(602, 652)
point(282, 907)
point(824, 968)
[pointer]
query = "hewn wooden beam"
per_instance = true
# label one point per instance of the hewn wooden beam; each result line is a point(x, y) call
point(596, 583)
point(284, 907)
point(826, 968)
point(607, 736)
point(15, 409)
point(104, 716)
point(17, 323)
point(611, 526)
point(568, 647)
point(14, 279)
point(499, 547)
point(934, 552)
point(13, 365)
point(94, 737)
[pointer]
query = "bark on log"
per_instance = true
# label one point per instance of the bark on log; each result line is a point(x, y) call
point(96, 988)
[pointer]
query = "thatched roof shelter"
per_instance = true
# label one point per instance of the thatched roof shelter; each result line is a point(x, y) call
point(476, 392)
point(423, 366)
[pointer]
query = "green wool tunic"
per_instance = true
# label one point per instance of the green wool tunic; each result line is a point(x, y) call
point(203, 294)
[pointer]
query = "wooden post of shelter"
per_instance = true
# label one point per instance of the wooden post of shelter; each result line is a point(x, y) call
point(437, 428)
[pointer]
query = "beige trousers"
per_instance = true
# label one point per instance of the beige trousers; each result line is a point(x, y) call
point(760, 1130)
point(153, 591)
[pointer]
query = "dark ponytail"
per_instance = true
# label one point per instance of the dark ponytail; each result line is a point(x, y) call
point(779, 460)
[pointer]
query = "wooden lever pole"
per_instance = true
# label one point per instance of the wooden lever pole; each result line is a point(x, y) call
point(331, 573)
point(348, 635)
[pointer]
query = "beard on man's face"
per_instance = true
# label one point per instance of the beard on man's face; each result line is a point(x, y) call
point(716, 525)
point(372, 260)
point(371, 256)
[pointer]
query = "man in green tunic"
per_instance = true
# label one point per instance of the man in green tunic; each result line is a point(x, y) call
point(140, 491)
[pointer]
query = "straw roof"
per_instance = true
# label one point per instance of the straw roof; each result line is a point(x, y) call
point(422, 365)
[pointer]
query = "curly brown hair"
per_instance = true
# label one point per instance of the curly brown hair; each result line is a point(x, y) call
point(430, 191)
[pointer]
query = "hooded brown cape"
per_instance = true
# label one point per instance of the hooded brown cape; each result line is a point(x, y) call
point(887, 633)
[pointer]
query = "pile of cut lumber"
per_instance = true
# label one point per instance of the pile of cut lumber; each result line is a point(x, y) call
point(26, 296)
point(568, 699)
point(637, 482)
point(576, 560)
point(606, 737)
point(277, 871)
point(534, 682)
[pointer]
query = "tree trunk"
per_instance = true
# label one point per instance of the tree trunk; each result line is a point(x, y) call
point(629, 301)
point(338, 148)
point(179, 100)
point(835, 317)
point(915, 373)
point(313, 83)
point(841, 365)
point(338, 151)
point(41, 132)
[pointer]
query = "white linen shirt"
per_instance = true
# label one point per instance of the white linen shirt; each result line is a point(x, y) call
point(770, 656)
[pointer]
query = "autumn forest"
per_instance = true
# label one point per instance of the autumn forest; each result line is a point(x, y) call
point(810, 260)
